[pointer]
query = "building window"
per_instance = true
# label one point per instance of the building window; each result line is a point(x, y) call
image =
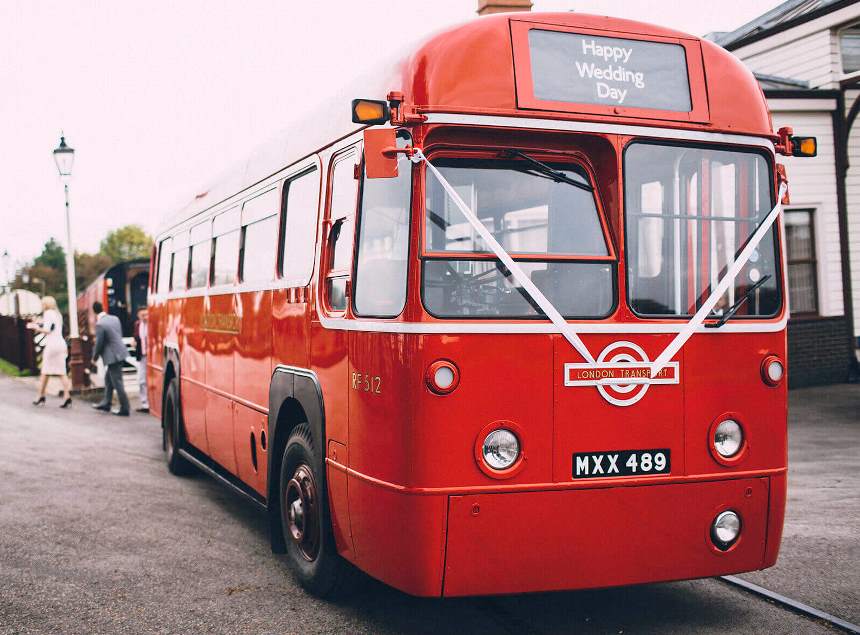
point(849, 44)
point(802, 273)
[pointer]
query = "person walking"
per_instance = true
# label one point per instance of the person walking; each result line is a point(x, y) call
point(140, 335)
point(54, 353)
point(109, 346)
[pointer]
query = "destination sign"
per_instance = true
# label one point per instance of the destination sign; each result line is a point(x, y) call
point(588, 69)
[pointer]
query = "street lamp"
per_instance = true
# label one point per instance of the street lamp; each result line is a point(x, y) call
point(7, 283)
point(7, 260)
point(64, 157)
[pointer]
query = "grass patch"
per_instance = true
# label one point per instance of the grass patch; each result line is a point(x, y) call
point(7, 368)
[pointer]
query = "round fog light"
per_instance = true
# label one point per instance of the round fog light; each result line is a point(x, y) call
point(500, 449)
point(772, 370)
point(442, 377)
point(725, 529)
point(728, 438)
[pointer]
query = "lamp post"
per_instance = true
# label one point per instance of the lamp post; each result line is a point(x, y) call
point(64, 157)
point(7, 282)
point(7, 260)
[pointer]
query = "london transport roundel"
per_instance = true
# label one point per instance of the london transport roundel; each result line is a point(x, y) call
point(621, 373)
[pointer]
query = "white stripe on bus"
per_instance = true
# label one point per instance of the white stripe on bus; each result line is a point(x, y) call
point(598, 128)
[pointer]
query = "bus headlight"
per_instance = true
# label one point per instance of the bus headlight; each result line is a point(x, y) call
point(728, 438)
point(500, 449)
point(725, 529)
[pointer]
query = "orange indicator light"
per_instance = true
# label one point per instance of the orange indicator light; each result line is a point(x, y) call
point(370, 111)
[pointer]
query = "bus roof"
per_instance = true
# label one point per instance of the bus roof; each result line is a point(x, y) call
point(482, 67)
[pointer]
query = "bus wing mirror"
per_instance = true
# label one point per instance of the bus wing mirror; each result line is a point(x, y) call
point(380, 156)
point(792, 146)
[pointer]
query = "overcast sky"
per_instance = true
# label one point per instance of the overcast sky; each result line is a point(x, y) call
point(158, 96)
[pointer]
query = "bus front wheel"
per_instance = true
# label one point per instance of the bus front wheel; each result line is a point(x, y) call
point(171, 432)
point(311, 552)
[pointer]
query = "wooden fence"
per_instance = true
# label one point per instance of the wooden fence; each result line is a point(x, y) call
point(17, 344)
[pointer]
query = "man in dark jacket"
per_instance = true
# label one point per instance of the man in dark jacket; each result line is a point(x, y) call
point(109, 346)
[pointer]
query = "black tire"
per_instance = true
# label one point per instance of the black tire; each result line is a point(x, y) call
point(171, 432)
point(311, 552)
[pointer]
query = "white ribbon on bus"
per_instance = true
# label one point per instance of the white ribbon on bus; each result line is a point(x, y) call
point(564, 327)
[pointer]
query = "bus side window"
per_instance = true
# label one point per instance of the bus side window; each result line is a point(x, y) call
point(383, 243)
point(179, 263)
point(225, 248)
point(152, 277)
point(165, 251)
point(341, 212)
point(259, 231)
point(298, 228)
point(201, 250)
point(179, 270)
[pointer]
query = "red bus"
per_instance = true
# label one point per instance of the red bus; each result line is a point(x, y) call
point(518, 324)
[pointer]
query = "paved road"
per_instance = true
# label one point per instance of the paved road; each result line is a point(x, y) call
point(97, 537)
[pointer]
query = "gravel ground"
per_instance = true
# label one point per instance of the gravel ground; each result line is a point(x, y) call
point(97, 537)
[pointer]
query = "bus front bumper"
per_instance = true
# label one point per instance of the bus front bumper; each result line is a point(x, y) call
point(586, 538)
point(486, 543)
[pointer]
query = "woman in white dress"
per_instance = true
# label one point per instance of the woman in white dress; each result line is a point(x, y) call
point(55, 351)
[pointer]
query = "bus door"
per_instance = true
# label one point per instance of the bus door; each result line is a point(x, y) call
point(298, 233)
point(221, 324)
point(377, 383)
point(252, 358)
point(115, 291)
point(138, 292)
point(190, 268)
point(330, 344)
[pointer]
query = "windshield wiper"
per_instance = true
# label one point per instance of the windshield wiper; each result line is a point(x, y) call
point(544, 169)
point(738, 303)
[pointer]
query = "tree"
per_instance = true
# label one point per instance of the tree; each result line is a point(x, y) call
point(47, 274)
point(126, 243)
point(53, 255)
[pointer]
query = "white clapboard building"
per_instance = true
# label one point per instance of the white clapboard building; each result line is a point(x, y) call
point(806, 56)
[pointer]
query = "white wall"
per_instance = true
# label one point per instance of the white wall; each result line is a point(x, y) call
point(809, 51)
point(809, 58)
point(812, 184)
point(852, 192)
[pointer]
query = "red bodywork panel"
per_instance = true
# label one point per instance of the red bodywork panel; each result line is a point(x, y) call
point(410, 504)
point(549, 541)
point(470, 69)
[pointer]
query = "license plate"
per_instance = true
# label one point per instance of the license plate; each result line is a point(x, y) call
point(620, 463)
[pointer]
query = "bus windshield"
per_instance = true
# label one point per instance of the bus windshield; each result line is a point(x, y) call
point(688, 212)
point(552, 228)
